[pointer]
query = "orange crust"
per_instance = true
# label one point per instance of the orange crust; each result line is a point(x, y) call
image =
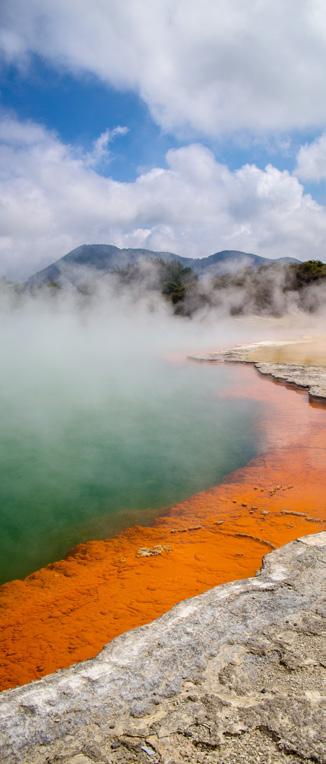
point(67, 611)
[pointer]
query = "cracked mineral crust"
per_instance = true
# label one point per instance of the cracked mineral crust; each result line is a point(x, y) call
point(311, 377)
point(233, 675)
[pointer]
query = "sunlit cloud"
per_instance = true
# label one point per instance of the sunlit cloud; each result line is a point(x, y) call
point(212, 67)
point(52, 198)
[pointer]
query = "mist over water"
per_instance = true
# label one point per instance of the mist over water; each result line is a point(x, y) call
point(104, 423)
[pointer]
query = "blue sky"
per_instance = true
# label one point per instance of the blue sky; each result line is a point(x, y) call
point(223, 113)
point(80, 108)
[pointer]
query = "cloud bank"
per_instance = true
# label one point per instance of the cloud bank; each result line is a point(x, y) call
point(52, 198)
point(213, 66)
point(311, 160)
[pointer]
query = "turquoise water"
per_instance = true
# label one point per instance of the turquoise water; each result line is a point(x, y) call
point(84, 453)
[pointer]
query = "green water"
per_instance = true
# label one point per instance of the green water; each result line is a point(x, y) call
point(82, 457)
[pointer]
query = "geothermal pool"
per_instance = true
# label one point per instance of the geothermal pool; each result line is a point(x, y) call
point(87, 451)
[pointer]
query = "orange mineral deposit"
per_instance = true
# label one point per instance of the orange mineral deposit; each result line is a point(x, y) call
point(67, 611)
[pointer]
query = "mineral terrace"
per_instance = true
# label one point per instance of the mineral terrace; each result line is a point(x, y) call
point(233, 675)
point(307, 376)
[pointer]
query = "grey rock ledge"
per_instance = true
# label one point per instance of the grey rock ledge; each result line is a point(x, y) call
point(311, 377)
point(233, 675)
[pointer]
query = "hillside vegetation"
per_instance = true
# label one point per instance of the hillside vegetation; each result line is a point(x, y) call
point(231, 283)
point(271, 289)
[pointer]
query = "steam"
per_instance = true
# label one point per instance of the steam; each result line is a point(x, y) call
point(267, 291)
point(103, 421)
point(166, 287)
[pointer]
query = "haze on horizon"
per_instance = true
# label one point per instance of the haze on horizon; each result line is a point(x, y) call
point(169, 126)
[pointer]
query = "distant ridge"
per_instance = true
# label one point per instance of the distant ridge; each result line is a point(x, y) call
point(108, 258)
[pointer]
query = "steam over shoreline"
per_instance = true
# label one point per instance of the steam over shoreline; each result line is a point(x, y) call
point(227, 283)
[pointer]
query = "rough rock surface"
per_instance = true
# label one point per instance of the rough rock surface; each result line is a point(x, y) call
point(233, 675)
point(311, 377)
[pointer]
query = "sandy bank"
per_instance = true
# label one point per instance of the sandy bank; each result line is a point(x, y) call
point(307, 352)
point(299, 362)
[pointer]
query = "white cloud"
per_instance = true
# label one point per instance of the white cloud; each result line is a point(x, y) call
point(51, 200)
point(311, 160)
point(100, 152)
point(211, 66)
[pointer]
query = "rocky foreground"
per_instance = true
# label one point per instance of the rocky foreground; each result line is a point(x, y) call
point(233, 675)
point(311, 377)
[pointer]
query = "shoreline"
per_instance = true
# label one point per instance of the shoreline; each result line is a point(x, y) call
point(235, 672)
point(109, 587)
point(291, 370)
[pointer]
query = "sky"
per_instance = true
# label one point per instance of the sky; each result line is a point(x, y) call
point(166, 124)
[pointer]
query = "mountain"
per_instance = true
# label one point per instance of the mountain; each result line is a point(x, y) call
point(230, 260)
point(107, 258)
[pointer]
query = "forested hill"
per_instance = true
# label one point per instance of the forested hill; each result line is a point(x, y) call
point(107, 258)
point(230, 282)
